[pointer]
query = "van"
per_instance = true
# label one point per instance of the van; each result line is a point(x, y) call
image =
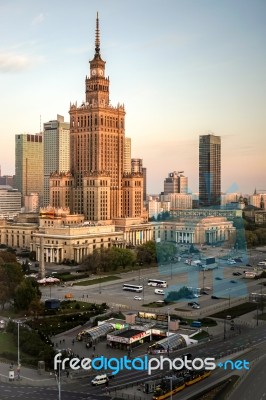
point(261, 263)
point(100, 380)
point(159, 291)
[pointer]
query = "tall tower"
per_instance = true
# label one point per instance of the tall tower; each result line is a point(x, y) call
point(56, 141)
point(97, 139)
point(209, 170)
point(29, 165)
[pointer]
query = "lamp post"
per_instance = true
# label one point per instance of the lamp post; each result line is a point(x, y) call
point(19, 365)
point(58, 380)
point(168, 347)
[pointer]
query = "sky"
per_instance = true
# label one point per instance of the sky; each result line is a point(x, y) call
point(183, 68)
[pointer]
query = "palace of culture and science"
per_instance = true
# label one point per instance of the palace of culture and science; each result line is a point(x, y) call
point(97, 185)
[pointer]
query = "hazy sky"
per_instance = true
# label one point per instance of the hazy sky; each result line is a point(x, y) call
point(181, 67)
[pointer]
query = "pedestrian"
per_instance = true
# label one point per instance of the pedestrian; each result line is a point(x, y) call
point(94, 348)
point(73, 342)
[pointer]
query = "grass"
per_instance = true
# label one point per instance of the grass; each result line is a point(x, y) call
point(96, 280)
point(236, 311)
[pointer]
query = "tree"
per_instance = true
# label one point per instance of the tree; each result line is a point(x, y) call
point(36, 307)
point(183, 292)
point(27, 291)
point(10, 277)
point(146, 253)
point(165, 251)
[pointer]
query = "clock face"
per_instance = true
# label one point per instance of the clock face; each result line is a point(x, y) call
point(101, 72)
point(93, 72)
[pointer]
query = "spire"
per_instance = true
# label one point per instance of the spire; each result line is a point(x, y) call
point(97, 36)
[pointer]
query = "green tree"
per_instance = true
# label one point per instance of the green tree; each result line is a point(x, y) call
point(26, 292)
point(182, 293)
point(146, 253)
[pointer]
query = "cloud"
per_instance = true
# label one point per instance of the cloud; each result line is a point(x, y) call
point(38, 19)
point(12, 62)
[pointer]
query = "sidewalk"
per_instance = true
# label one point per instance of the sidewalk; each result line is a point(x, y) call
point(28, 376)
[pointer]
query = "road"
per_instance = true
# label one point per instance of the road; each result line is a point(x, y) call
point(253, 385)
point(220, 280)
point(18, 392)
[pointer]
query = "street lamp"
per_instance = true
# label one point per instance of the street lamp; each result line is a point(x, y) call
point(58, 380)
point(168, 347)
point(19, 365)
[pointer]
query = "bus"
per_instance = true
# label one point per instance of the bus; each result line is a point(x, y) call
point(132, 288)
point(157, 282)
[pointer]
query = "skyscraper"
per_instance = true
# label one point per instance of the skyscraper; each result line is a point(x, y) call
point(56, 142)
point(29, 165)
point(176, 182)
point(209, 170)
point(102, 189)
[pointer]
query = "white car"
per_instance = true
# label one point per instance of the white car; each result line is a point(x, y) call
point(137, 298)
point(196, 306)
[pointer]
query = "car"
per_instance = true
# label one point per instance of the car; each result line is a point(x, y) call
point(231, 262)
point(232, 281)
point(236, 273)
point(204, 292)
point(137, 298)
point(218, 278)
point(215, 297)
point(238, 259)
point(192, 303)
point(248, 265)
point(196, 306)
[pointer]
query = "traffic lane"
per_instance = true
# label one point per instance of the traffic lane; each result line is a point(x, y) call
point(10, 391)
point(253, 384)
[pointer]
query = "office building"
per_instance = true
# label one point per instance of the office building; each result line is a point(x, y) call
point(209, 171)
point(56, 142)
point(176, 182)
point(10, 202)
point(137, 167)
point(29, 165)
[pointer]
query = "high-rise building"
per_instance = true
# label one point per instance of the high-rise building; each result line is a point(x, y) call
point(29, 165)
point(127, 155)
point(176, 182)
point(56, 142)
point(209, 170)
point(137, 167)
point(101, 188)
point(10, 201)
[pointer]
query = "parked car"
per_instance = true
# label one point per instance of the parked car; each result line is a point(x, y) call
point(237, 273)
point(218, 278)
point(137, 298)
point(192, 303)
point(232, 281)
point(215, 297)
point(195, 306)
point(204, 292)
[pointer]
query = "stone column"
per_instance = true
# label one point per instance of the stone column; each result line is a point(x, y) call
point(41, 263)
